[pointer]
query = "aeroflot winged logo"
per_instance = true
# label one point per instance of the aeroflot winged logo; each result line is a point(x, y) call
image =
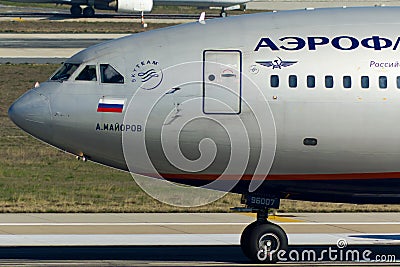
point(277, 63)
point(148, 74)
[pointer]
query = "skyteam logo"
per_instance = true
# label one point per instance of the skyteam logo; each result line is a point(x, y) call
point(277, 63)
point(148, 74)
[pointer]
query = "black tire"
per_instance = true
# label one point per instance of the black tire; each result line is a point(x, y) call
point(223, 14)
point(244, 238)
point(75, 10)
point(258, 234)
point(88, 12)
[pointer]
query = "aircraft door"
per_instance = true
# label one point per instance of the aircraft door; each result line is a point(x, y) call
point(222, 81)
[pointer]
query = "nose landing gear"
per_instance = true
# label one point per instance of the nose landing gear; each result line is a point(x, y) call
point(76, 10)
point(88, 12)
point(223, 13)
point(262, 240)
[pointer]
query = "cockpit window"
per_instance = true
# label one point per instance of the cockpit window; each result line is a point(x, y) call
point(110, 75)
point(65, 72)
point(87, 74)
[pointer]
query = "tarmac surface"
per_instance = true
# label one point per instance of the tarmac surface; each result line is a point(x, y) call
point(46, 48)
point(195, 239)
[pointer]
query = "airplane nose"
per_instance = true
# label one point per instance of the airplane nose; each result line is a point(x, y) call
point(31, 112)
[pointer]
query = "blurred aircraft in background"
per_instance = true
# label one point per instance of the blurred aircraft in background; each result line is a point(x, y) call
point(139, 5)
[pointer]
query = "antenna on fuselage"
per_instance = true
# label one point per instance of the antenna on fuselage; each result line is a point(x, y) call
point(144, 24)
point(202, 18)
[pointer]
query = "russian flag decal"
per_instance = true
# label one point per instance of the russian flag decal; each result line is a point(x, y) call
point(108, 104)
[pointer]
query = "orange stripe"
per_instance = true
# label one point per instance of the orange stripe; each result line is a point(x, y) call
point(288, 177)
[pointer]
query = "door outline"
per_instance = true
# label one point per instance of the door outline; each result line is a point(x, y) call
point(240, 81)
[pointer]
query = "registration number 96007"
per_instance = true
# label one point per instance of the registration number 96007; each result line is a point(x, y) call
point(263, 202)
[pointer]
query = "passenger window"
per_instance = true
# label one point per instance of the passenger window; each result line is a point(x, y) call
point(110, 75)
point(292, 81)
point(346, 81)
point(398, 82)
point(310, 81)
point(87, 74)
point(65, 72)
point(382, 82)
point(310, 141)
point(364, 82)
point(329, 81)
point(274, 81)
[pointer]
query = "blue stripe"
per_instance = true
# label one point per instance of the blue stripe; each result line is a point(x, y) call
point(380, 236)
point(103, 105)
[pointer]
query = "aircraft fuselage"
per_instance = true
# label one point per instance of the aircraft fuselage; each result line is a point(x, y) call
point(305, 101)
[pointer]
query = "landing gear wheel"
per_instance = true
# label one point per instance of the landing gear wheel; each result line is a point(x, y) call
point(244, 238)
point(88, 12)
point(223, 14)
point(75, 10)
point(261, 242)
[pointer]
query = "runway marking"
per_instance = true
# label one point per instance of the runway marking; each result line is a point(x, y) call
point(18, 19)
point(182, 239)
point(273, 217)
point(188, 223)
point(341, 223)
point(38, 52)
point(118, 239)
point(119, 224)
point(69, 36)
